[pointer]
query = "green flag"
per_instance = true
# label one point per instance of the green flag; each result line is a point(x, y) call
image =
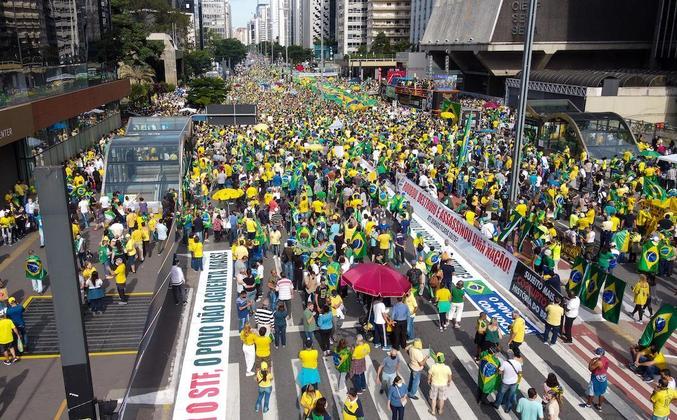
point(592, 285)
point(578, 272)
point(463, 153)
point(648, 261)
point(651, 189)
point(515, 220)
point(612, 298)
point(359, 245)
point(34, 268)
point(661, 326)
point(396, 204)
point(383, 198)
point(488, 379)
point(526, 229)
point(622, 240)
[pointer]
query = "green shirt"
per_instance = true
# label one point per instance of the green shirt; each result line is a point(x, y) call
point(457, 295)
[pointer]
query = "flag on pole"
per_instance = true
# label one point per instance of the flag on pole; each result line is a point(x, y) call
point(463, 154)
point(578, 272)
point(488, 379)
point(660, 327)
point(592, 285)
point(358, 244)
point(648, 261)
point(526, 229)
point(652, 190)
point(612, 298)
point(515, 220)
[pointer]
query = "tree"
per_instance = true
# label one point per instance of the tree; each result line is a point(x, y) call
point(298, 54)
point(401, 46)
point(228, 49)
point(137, 74)
point(206, 90)
point(362, 49)
point(381, 44)
point(198, 62)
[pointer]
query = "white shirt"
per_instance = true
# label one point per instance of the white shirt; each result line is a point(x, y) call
point(161, 231)
point(176, 276)
point(84, 206)
point(105, 202)
point(572, 307)
point(379, 309)
point(509, 374)
point(284, 288)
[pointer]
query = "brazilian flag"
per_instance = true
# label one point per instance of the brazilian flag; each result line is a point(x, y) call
point(383, 198)
point(488, 379)
point(661, 326)
point(34, 268)
point(592, 285)
point(526, 229)
point(648, 262)
point(651, 189)
point(261, 236)
point(359, 245)
point(396, 204)
point(666, 250)
point(612, 298)
point(463, 153)
point(622, 240)
point(431, 259)
point(303, 234)
point(328, 252)
point(373, 190)
point(333, 274)
point(515, 220)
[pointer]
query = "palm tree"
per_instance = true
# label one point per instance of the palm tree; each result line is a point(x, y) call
point(136, 74)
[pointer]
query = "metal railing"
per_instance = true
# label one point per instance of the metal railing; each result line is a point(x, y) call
point(86, 138)
point(650, 130)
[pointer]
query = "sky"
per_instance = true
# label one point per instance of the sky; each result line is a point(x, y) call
point(242, 11)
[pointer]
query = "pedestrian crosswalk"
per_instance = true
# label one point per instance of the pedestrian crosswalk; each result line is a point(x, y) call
point(460, 395)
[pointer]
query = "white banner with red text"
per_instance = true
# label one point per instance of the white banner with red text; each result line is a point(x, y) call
point(483, 254)
point(203, 387)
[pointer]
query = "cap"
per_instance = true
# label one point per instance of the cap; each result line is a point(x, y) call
point(599, 351)
point(264, 365)
point(11, 300)
point(440, 357)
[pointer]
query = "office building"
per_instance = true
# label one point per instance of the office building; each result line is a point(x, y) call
point(281, 20)
point(242, 35)
point(216, 17)
point(296, 17)
point(351, 25)
point(48, 79)
point(484, 38)
point(318, 21)
point(262, 26)
point(390, 17)
point(420, 14)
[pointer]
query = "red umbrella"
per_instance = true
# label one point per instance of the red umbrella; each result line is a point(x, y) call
point(376, 280)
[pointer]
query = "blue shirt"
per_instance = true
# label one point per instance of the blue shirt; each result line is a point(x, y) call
point(325, 321)
point(530, 409)
point(242, 313)
point(16, 314)
point(396, 393)
point(400, 312)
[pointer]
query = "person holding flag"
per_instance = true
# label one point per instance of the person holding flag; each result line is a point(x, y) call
point(660, 328)
point(35, 271)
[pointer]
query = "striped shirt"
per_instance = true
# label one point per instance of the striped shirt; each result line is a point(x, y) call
point(263, 316)
point(285, 288)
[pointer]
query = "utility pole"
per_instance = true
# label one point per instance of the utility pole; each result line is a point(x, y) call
point(322, 38)
point(522, 109)
point(201, 28)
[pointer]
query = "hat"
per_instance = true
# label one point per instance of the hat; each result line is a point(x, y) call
point(599, 351)
point(264, 365)
point(440, 357)
point(11, 300)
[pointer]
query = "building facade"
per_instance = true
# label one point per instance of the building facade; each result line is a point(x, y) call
point(318, 21)
point(351, 25)
point(390, 17)
point(242, 35)
point(216, 17)
point(262, 24)
point(420, 14)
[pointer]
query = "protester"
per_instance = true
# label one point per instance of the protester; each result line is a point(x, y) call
point(7, 327)
point(417, 362)
point(439, 379)
point(358, 365)
point(177, 282)
point(554, 313)
point(511, 373)
point(248, 348)
point(309, 375)
point(264, 379)
point(397, 398)
point(352, 406)
point(597, 387)
point(530, 408)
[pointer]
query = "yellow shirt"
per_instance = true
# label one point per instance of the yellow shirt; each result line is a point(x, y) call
point(318, 206)
point(384, 241)
point(308, 358)
point(196, 249)
point(659, 360)
point(351, 406)
point(443, 294)
point(6, 327)
point(130, 247)
point(661, 402)
point(87, 272)
point(250, 224)
point(137, 236)
point(267, 383)
point(555, 313)
point(262, 345)
point(131, 220)
point(120, 274)
point(75, 228)
point(247, 339)
point(518, 329)
point(411, 303)
point(308, 400)
point(470, 217)
point(303, 206)
point(369, 226)
point(4, 222)
point(361, 351)
point(335, 302)
point(641, 292)
point(439, 374)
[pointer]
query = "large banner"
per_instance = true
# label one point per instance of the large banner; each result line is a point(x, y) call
point(203, 388)
point(531, 290)
point(486, 256)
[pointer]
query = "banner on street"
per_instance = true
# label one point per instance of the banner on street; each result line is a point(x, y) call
point(531, 290)
point(203, 387)
point(486, 256)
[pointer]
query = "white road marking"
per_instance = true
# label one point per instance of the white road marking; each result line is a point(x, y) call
point(233, 396)
point(420, 405)
point(380, 400)
point(458, 403)
point(296, 368)
point(339, 394)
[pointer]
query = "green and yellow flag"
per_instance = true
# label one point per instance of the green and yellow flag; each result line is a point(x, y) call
point(622, 240)
point(577, 275)
point(34, 268)
point(488, 379)
point(431, 259)
point(592, 285)
point(359, 245)
point(612, 298)
point(648, 261)
point(652, 190)
point(661, 326)
point(515, 220)
point(463, 153)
